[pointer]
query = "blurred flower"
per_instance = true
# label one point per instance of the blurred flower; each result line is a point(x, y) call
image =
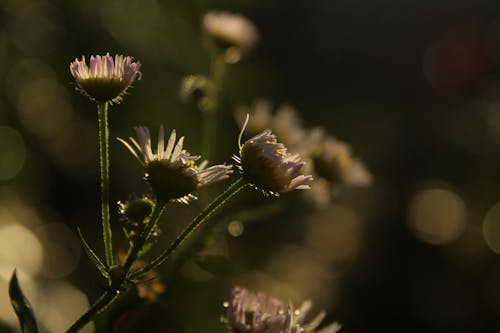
point(194, 90)
point(333, 161)
point(251, 312)
point(232, 33)
point(328, 160)
point(105, 79)
point(171, 171)
point(248, 311)
point(268, 166)
point(319, 196)
point(285, 123)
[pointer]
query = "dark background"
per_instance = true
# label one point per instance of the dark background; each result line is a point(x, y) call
point(412, 86)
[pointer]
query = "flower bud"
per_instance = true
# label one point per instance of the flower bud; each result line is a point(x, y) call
point(136, 210)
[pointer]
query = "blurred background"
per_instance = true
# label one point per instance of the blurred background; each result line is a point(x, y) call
point(412, 86)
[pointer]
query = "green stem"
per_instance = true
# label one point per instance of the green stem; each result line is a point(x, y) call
point(144, 236)
point(211, 113)
point(102, 109)
point(198, 220)
point(101, 303)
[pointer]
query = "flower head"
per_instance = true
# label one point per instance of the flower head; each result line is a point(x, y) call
point(136, 209)
point(252, 312)
point(194, 89)
point(232, 33)
point(105, 79)
point(172, 172)
point(267, 165)
point(256, 312)
point(285, 122)
point(333, 161)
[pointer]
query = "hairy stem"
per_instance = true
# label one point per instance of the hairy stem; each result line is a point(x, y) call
point(211, 114)
point(102, 109)
point(220, 201)
point(99, 305)
point(144, 236)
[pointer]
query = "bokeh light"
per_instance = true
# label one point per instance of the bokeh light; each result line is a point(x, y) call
point(437, 216)
point(13, 153)
point(334, 233)
point(61, 247)
point(491, 228)
point(59, 305)
point(235, 228)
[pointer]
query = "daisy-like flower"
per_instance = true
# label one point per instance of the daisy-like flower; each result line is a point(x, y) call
point(267, 165)
point(105, 79)
point(333, 161)
point(284, 121)
point(252, 312)
point(256, 312)
point(172, 172)
point(232, 33)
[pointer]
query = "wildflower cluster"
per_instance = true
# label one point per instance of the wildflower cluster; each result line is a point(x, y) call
point(329, 160)
point(279, 157)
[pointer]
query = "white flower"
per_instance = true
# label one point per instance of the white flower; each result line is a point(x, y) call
point(105, 79)
point(171, 171)
point(333, 161)
point(252, 312)
point(256, 312)
point(231, 33)
point(267, 165)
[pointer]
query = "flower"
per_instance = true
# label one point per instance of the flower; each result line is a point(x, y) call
point(266, 164)
point(248, 311)
point(136, 210)
point(172, 172)
point(232, 33)
point(194, 89)
point(105, 79)
point(285, 122)
point(256, 312)
point(333, 161)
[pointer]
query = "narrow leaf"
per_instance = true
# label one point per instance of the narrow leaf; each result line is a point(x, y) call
point(92, 256)
point(21, 306)
point(145, 249)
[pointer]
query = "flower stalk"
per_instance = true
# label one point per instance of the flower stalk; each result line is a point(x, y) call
point(143, 238)
point(105, 299)
point(215, 205)
point(102, 108)
point(211, 113)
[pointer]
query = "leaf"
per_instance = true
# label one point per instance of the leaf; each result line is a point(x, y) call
point(145, 249)
point(92, 256)
point(21, 306)
point(216, 264)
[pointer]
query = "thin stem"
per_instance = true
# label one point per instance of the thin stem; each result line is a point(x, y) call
point(102, 109)
point(211, 113)
point(198, 220)
point(144, 236)
point(100, 304)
